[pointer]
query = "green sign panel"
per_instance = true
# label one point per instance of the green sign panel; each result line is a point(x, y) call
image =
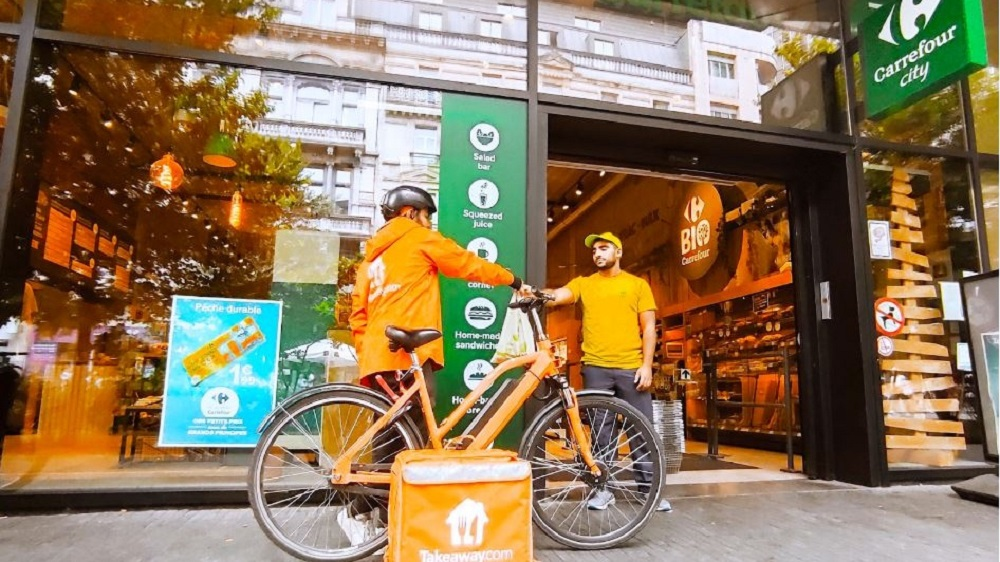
point(912, 48)
point(482, 207)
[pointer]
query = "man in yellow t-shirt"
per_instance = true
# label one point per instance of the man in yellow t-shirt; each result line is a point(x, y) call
point(619, 337)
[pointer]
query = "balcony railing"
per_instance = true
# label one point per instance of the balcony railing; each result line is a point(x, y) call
point(627, 67)
point(451, 41)
point(313, 133)
point(414, 96)
point(347, 225)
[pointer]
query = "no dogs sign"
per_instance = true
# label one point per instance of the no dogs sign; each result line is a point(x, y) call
point(889, 319)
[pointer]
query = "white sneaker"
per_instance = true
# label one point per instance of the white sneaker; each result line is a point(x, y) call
point(664, 506)
point(359, 529)
point(601, 500)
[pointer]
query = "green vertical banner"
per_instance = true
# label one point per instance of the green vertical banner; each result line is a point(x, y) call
point(482, 207)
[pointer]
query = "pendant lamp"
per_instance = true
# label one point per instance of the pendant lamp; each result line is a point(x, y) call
point(219, 150)
point(166, 173)
point(236, 210)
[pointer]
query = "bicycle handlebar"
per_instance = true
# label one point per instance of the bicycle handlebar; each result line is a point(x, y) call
point(528, 303)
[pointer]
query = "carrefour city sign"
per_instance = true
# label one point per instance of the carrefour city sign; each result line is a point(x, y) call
point(912, 48)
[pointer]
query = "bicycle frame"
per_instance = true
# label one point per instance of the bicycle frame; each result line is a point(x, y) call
point(542, 365)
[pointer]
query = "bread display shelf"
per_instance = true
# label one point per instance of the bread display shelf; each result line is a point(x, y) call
point(909, 388)
point(919, 348)
point(909, 275)
point(925, 426)
point(924, 442)
point(918, 405)
point(924, 366)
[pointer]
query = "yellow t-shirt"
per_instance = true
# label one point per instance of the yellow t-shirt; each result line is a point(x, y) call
point(612, 336)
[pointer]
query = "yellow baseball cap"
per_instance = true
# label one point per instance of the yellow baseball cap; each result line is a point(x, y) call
point(606, 236)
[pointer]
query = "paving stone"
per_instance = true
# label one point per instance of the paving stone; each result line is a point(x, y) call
point(805, 521)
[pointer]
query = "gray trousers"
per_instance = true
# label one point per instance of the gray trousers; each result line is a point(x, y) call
point(621, 382)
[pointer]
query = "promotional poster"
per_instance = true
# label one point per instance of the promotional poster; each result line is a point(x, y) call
point(221, 371)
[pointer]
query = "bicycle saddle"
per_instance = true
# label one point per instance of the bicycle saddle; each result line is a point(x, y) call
point(408, 340)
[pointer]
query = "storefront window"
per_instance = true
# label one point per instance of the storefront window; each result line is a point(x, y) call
point(143, 179)
point(923, 239)
point(933, 121)
point(991, 214)
point(8, 48)
point(11, 10)
point(775, 65)
point(983, 87)
point(480, 43)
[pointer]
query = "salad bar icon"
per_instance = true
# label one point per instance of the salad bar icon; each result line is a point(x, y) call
point(484, 137)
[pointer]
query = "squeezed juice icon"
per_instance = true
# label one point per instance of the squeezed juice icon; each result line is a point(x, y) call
point(225, 348)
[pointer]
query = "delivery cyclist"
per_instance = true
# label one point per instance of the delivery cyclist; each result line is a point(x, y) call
point(397, 285)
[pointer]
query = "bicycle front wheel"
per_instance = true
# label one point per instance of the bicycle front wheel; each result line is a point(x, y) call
point(291, 494)
point(571, 505)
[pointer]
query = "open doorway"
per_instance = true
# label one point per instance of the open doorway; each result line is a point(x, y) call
point(717, 254)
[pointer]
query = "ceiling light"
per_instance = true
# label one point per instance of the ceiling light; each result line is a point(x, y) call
point(602, 173)
point(565, 207)
point(578, 192)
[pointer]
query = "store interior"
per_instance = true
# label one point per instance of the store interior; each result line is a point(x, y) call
point(717, 254)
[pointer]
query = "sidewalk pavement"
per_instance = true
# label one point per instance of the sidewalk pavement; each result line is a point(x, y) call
point(800, 521)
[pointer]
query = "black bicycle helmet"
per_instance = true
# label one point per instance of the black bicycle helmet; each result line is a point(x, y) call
point(406, 196)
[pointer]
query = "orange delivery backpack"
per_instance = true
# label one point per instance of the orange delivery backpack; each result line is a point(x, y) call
point(457, 505)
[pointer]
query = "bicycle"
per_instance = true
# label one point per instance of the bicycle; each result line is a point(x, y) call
point(321, 466)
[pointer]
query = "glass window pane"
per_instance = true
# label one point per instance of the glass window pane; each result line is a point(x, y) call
point(777, 66)
point(922, 224)
point(11, 10)
point(488, 28)
point(391, 36)
point(933, 121)
point(983, 87)
point(8, 50)
point(99, 242)
point(984, 84)
point(991, 214)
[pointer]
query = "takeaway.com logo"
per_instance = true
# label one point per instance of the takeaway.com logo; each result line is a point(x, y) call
point(467, 521)
point(467, 526)
point(910, 12)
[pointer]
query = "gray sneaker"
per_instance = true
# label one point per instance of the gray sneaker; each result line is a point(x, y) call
point(664, 506)
point(601, 500)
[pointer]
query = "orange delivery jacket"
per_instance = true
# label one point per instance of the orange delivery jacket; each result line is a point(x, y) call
point(397, 285)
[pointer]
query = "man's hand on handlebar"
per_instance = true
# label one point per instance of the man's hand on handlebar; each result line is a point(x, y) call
point(526, 291)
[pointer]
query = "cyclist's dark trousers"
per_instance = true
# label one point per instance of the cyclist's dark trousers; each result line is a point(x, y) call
point(381, 445)
point(386, 444)
point(607, 429)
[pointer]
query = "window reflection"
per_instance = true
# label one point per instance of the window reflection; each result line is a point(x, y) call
point(991, 214)
point(441, 39)
point(722, 59)
point(933, 121)
point(8, 48)
point(120, 203)
point(11, 10)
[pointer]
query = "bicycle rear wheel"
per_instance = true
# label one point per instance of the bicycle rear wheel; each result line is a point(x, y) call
point(566, 501)
point(291, 493)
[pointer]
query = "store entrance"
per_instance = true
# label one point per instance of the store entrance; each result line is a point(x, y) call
point(717, 249)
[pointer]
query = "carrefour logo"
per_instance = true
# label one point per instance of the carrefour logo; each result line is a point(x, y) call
point(694, 209)
point(910, 12)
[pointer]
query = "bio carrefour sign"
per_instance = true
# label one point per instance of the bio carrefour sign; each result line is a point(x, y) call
point(699, 230)
point(912, 48)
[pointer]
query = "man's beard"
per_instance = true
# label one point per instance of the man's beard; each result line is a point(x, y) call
point(608, 264)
